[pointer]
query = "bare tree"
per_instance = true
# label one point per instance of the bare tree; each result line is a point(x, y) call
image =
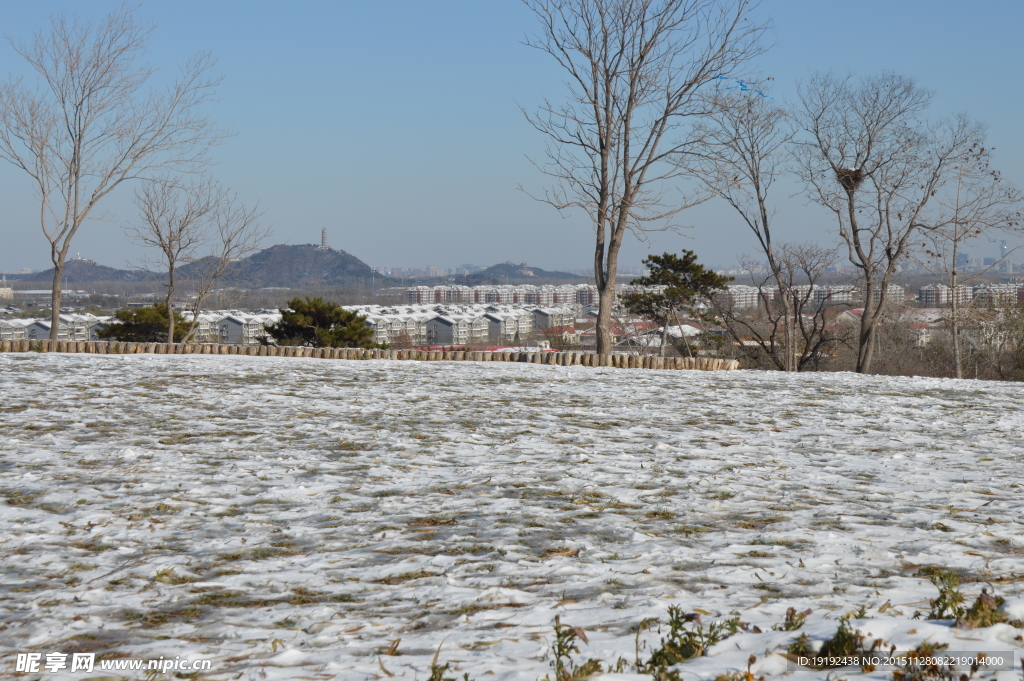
point(996, 334)
point(871, 162)
point(793, 327)
point(976, 204)
point(904, 348)
point(234, 234)
point(93, 123)
point(749, 135)
point(634, 73)
point(175, 220)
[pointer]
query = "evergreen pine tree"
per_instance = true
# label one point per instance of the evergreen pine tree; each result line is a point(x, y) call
point(313, 322)
point(143, 325)
point(686, 282)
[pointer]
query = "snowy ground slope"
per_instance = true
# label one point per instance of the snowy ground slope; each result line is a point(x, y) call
point(290, 518)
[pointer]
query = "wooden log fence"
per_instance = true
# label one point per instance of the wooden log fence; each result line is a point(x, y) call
point(586, 359)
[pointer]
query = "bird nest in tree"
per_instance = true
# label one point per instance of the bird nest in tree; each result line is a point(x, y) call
point(850, 178)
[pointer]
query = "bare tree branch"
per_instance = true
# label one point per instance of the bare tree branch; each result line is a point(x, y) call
point(175, 220)
point(869, 159)
point(234, 234)
point(978, 203)
point(90, 123)
point(625, 134)
point(792, 328)
point(749, 136)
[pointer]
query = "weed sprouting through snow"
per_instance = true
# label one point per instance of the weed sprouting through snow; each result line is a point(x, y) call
point(566, 669)
point(845, 642)
point(687, 638)
point(801, 646)
point(748, 675)
point(793, 621)
point(984, 612)
point(922, 666)
point(950, 603)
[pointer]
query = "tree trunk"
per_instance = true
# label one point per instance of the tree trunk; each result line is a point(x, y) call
point(682, 334)
point(782, 283)
point(957, 360)
point(664, 336)
point(865, 344)
point(956, 316)
point(55, 296)
point(605, 269)
point(170, 304)
point(788, 335)
point(606, 299)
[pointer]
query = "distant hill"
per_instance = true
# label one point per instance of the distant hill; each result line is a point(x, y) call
point(283, 266)
point(80, 270)
point(510, 273)
point(301, 266)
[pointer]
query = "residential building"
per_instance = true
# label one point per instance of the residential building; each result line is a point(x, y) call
point(74, 327)
point(207, 330)
point(444, 330)
point(651, 340)
point(567, 335)
point(244, 329)
point(834, 294)
point(547, 317)
point(996, 293)
point(474, 324)
point(14, 329)
point(739, 297)
point(508, 325)
point(895, 294)
point(525, 294)
point(940, 294)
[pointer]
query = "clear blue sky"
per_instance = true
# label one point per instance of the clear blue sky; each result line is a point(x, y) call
point(396, 125)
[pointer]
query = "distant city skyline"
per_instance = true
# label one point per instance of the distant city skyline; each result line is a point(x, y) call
point(398, 126)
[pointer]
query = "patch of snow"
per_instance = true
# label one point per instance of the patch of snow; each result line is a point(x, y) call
point(292, 517)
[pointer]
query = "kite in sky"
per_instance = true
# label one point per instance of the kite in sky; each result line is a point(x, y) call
point(740, 85)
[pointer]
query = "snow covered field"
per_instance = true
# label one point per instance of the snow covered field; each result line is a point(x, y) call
point(291, 518)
